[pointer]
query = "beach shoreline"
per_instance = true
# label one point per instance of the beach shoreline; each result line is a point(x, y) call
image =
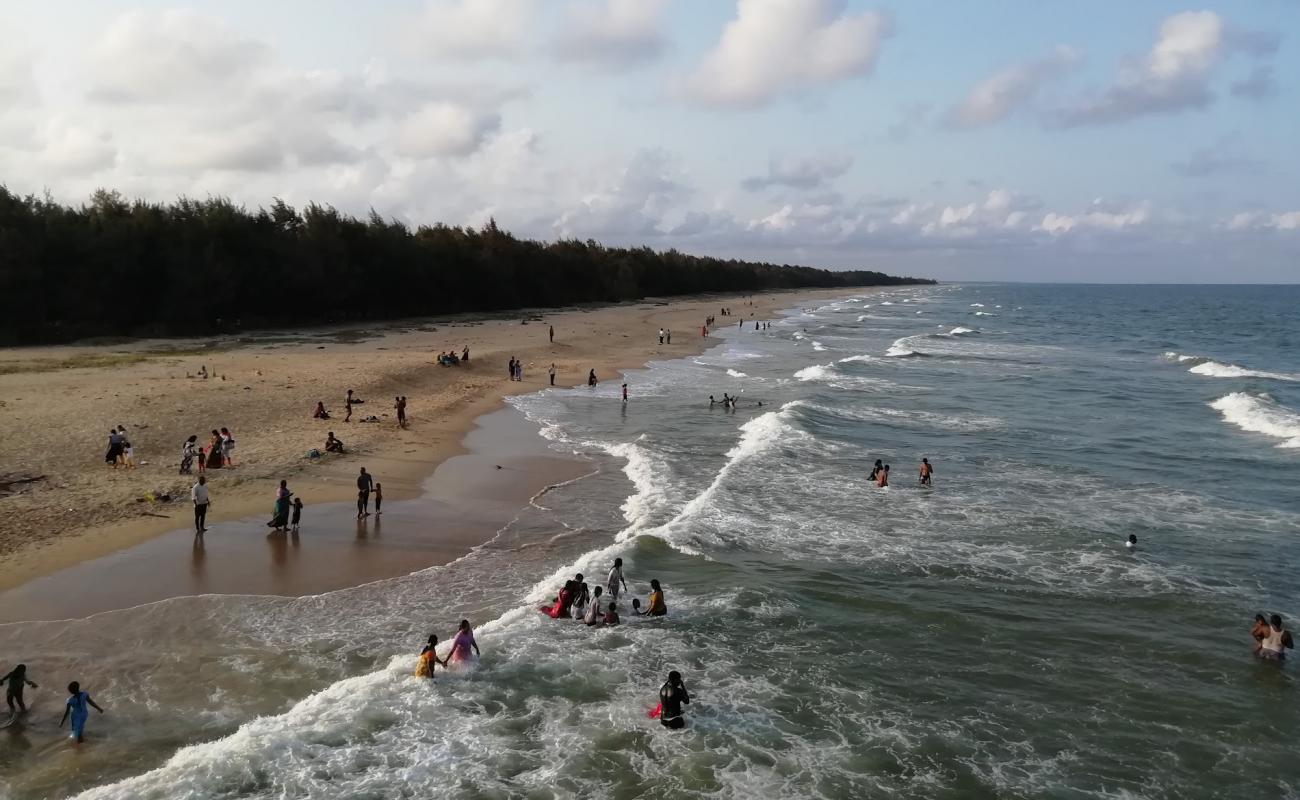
point(264, 388)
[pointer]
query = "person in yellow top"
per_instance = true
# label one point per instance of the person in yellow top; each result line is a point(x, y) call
point(428, 658)
point(655, 606)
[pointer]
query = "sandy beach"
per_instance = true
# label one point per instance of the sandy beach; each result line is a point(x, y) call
point(63, 505)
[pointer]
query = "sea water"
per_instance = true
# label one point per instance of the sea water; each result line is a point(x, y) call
point(989, 636)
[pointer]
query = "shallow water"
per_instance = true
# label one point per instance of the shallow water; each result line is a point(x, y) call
point(988, 637)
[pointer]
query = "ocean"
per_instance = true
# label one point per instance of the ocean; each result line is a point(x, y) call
point(986, 637)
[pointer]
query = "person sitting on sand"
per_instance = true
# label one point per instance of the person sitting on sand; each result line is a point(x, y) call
point(15, 682)
point(321, 413)
point(333, 444)
point(1277, 640)
point(1258, 632)
point(428, 658)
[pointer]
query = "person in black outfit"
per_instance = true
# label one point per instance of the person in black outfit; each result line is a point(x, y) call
point(671, 697)
point(364, 484)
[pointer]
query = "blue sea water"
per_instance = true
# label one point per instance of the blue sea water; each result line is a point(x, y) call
point(989, 636)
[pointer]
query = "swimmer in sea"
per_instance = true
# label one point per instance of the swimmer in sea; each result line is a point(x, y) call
point(926, 471)
point(1276, 642)
point(875, 471)
point(656, 605)
point(1132, 542)
point(712, 402)
point(882, 477)
point(672, 696)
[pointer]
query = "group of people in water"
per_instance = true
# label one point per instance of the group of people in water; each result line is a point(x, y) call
point(77, 707)
point(880, 473)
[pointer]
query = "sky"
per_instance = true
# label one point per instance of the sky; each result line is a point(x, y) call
point(1009, 140)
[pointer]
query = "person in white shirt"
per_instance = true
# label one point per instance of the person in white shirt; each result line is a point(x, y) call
point(199, 494)
point(614, 580)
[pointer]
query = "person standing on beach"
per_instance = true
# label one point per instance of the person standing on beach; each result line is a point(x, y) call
point(926, 472)
point(591, 378)
point(400, 404)
point(347, 403)
point(661, 336)
point(625, 393)
point(379, 498)
point(228, 447)
point(297, 514)
point(79, 705)
point(551, 372)
point(364, 484)
point(201, 499)
point(552, 334)
point(188, 452)
point(668, 336)
point(511, 367)
point(15, 682)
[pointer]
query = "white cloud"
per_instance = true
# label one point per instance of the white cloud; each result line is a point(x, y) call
point(1174, 75)
point(69, 147)
point(996, 97)
point(612, 33)
point(472, 29)
point(1101, 216)
point(801, 173)
point(1261, 220)
point(444, 129)
point(780, 47)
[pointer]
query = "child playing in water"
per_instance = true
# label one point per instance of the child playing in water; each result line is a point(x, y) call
point(79, 705)
point(15, 682)
point(611, 616)
point(297, 513)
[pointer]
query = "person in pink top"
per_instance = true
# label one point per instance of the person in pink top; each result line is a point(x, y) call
point(461, 645)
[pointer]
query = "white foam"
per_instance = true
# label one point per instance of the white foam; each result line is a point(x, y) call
point(984, 314)
point(1215, 369)
point(886, 303)
point(959, 331)
point(976, 305)
point(852, 359)
point(819, 372)
point(736, 373)
point(900, 349)
point(1260, 414)
point(819, 347)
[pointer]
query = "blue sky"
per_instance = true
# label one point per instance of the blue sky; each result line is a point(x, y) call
point(1145, 141)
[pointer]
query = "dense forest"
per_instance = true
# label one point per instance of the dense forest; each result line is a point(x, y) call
point(120, 268)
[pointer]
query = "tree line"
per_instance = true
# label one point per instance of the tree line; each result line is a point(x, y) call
point(113, 267)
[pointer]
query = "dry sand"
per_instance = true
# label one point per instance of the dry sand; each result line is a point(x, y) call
point(58, 403)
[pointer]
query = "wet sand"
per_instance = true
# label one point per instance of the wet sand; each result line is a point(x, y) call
point(463, 504)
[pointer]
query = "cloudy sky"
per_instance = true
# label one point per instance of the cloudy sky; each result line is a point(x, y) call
point(1027, 140)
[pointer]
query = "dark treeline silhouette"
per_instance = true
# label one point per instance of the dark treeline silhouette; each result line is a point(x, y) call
point(119, 268)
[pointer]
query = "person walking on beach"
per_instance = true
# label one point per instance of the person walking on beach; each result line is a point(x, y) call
point(128, 450)
point(926, 472)
point(668, 336)
point(615, 580)
point(625, 393)
point(399, 403)
point(15, 682)
point(661, 336)
point(365, 483)
point(672, 696)
point(201, 499)
point(280, 512)
point(551, 373)
point(591, 378)
point(510, 367)
point(188, 451)
point(552, 334)
point(79, 705)
point(347, 404)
